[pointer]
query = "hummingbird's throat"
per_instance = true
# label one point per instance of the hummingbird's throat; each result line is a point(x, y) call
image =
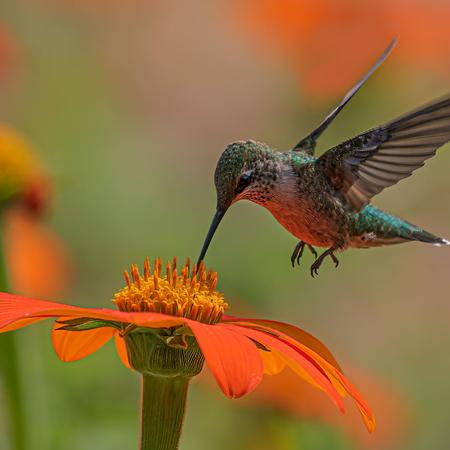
point(190, 294)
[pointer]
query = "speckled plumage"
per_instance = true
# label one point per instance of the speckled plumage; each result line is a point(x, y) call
point(294, 188)
point(325, 201)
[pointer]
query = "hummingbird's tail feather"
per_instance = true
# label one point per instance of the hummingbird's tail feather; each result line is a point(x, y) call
point(374, 227)
point(428, 238)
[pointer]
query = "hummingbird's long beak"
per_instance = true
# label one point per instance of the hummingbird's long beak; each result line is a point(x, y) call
point(212, 229)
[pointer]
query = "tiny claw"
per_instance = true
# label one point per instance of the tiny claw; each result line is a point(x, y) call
point(313, 250)
point(300, 254)
point(335, 260)
point(314, 270)
point(318, 262)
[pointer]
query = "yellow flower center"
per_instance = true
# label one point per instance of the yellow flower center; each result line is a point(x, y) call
point(190, 294)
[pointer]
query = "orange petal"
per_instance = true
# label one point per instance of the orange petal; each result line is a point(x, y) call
point(261, 325)
point(308, 364)
point(21, 323)
point(233, 359)
point(273, 363)
point(14, 308)
point(335, 376)
point(339, 381)
point(366, 413)
point(302, 373)
point(122, 350)
point(290, 330)
point(75, 345)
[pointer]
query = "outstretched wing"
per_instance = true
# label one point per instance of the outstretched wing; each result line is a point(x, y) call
point(308, 143)
point(365, 165)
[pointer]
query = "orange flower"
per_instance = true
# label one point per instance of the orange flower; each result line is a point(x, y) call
point(330, 44)
point(238, 351)
point(286, 394)
point(37, 260)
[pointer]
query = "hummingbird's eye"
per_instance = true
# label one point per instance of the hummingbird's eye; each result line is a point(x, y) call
point(244, 181)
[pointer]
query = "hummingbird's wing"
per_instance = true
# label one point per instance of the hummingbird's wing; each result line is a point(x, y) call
point(308, 143)
point(372, 161)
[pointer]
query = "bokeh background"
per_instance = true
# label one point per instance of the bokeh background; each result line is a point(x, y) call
point(129, 105)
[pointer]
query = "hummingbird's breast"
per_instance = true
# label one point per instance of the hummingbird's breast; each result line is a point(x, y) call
point(302, 206)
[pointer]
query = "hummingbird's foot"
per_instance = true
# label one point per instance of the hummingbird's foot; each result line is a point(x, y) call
point(298, 252)
point(318, 262)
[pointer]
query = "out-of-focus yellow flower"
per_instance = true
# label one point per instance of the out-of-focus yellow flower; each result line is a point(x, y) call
point(22, 179)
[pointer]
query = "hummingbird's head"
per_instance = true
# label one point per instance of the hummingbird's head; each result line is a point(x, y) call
point(240, 173)
point(234, 173)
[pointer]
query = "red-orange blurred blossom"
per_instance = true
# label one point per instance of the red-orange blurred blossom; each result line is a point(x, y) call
point(37, 195)
point(329, 44)
point(285, 394)
point(38, 262)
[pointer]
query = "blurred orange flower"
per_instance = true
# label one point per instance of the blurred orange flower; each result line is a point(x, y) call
point(36, 259)
point(238, 351)
point(38, 262)
point(329, 44)
point(284, 393)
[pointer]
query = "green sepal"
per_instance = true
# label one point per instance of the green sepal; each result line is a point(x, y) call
point(183, 330)
point(85, 324)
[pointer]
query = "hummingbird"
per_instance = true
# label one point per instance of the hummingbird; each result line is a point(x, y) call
point(324, 201)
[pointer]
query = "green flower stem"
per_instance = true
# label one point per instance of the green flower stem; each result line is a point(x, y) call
point(162, 411)
point(10, 371)
point(166, 371)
